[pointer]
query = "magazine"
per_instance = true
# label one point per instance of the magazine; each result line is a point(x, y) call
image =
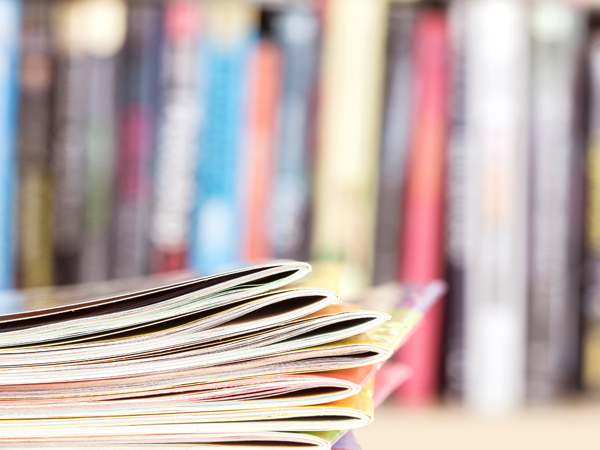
point(239, 359)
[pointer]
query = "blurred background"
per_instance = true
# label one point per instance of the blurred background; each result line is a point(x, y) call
point(382, 140)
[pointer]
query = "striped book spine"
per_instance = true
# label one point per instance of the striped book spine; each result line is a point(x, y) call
point(177, 138)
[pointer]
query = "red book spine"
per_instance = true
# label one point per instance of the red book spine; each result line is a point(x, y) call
point(422, 257)
point(266, 75)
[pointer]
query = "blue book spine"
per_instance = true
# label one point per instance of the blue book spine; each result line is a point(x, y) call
point(218, 211)
point(10, 24)
point(297, 32)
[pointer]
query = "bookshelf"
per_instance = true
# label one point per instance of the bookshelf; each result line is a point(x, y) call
point(378, 137)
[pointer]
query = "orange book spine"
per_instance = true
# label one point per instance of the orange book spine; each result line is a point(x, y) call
point(422, 258)
point(265, 92)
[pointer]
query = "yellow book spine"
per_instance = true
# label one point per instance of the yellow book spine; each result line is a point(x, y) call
point(348, 139)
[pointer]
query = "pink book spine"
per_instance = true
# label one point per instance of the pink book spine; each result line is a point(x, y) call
point(422, 258)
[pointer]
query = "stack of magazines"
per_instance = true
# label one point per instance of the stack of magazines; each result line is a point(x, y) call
point(252, 358)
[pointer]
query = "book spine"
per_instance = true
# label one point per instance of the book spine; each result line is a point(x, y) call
point(68, 138)
point(497, 161)
point(456, 211)
point(557, 31)
point(258, 157)
point(10, 23)
point(230, 36)
point(394, 146)
point(297, 33)
point(591, 306)
point(100, 135)
point(422, 259)
point(138, 110)
point(35, 176)
point(177, 136)
point(348, 138)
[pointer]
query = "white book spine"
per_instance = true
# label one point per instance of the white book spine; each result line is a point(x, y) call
point(496, 160)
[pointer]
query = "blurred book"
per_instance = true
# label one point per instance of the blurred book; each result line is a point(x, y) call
point(35, 176)
point(68, 141)
point(228, 42)
point(10, 25)
point(497, 174)
point(258, 152)
point(102, 48)
point(297, 32)
point(421, 257)
point(176, 145)
point(138, 122)
point(555, 202)
point(397, 122)
point(591, 305)
point(348, 140)
point(457, 192)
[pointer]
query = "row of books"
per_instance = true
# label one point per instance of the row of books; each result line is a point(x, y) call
point(454, 146)
point(386, 141)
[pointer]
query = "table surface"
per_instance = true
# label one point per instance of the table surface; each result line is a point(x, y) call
point(566, 426)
